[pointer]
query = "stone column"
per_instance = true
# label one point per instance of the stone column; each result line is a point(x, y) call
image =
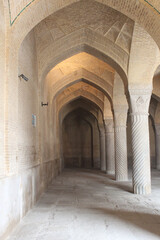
point(157, 133)
point(140, 100)
point(110, 149)
point(120, 114)
point(102, 147)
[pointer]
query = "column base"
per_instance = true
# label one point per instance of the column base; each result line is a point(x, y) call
point(142, 190)
point(103, 169)
point(110, 172)
point(121, 178)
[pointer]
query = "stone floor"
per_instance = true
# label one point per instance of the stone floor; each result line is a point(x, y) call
point(88, 205)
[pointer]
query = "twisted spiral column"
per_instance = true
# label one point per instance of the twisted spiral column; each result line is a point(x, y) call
point(141, 153)
point(121, 153)
point(157, 128)
point(102, 150)
point(110, 147)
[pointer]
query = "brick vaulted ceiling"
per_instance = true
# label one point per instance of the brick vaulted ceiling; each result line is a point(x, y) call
point(17, 7)
point(32, 12)
point(82, 61)
point(102, 19)
point(81, 89)
point(79, 66)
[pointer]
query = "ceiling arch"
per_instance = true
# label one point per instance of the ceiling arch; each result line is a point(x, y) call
point(156, 83)
point(85, 99)
point(79, 103)
point(105, 21)
point(41, 9)
point(85, 115)
point(108, 53)
point(84, 76)
point(81, 66)
point(95, 99)
point(140, 11)
point(77, 94)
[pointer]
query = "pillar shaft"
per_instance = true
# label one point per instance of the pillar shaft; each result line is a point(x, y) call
point(121, 153)
point(121, 143)
point(140, 140)
point(102, 149)
point(110, 146)
point(157, 132)
point(141, 154)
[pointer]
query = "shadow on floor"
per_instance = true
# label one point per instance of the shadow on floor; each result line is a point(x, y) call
point(109, 179)
point(145, 221)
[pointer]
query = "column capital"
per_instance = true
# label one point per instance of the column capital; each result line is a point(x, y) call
point(140, 100)
point(101, 129)
point(120, 116)
point(109, 125)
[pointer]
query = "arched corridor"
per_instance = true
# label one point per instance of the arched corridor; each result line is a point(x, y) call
point(79, 119)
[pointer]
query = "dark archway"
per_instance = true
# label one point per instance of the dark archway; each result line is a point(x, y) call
point(78, 137)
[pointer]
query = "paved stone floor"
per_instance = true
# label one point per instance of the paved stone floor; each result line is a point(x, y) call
point(88, 205)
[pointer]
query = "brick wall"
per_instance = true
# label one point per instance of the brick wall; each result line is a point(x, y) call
point(2, 88)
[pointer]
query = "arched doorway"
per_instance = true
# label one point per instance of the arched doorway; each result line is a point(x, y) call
point(80, 141)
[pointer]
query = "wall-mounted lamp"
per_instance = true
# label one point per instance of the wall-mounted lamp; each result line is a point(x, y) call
point(44, 104)
point(24, 77)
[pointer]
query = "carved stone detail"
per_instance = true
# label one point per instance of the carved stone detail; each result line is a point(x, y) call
point(157, 128)
point(121, 165)
point(109, 125)
point(141, 154)
point(140, 100)
point(121, 154)
point(110, 146)
point(102, 147)
point(120, 116)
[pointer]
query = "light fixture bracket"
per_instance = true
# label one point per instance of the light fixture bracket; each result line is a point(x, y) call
point(24, 77)
point(44, 104)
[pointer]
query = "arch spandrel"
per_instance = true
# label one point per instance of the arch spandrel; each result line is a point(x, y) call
point(119, 97)
point(144, 59)
point(156, 84)
point(107, 109)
